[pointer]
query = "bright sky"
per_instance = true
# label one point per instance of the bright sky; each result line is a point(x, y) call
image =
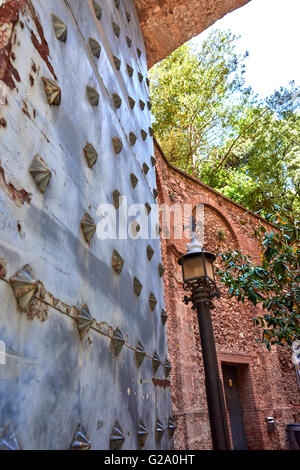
point(270, 31)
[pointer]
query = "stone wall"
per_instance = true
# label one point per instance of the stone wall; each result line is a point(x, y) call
point(267, 380)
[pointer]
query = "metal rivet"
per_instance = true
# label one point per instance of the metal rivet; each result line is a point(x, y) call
point(117, 62)
point(139, 52)
point(131, 102)
point(88, 227)
point(143, 134)
point(135, 227)
point(98, 10)
point(8, 439)
point(140, 77)
point(150, 252)
point(117, 199)
point(145, 168)
point(84, 321)
point(93, 96)
point(155, 193)
point(117, 437)
point(142, 105)
point(53, 92)
point(134, 180)
point(164, 316)
point(137, 286)
point(117, 145)
point(95, 47)
point(129, 70)
point(171, 427)
point(132, 138)
point(147, 81)
point(161, 270)
point(152, 301)
point(117, 342)
point(129, 42)
point(153, 161)
point(148, 208)
point(156, 362)
point(128, 16)
point(40, 173)
point(150, 131)
point(116, 29)
point(116, 100)
point(24, 286)
point(117, 3)
point(80, 440)
point(149, 105)
point(167, 367)
point(140, 354)
point(159, 431)
point(90, 154)
point(142, 434)
point(117, 262)
point(60, 28)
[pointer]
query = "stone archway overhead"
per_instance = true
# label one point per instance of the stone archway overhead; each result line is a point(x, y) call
point(166, 24)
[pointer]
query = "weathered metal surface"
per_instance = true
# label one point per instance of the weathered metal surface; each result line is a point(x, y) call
point(59, 372)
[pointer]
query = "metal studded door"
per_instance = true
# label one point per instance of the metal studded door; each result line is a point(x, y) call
point(82, 318)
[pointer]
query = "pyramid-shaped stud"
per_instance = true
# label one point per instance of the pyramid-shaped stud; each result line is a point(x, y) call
point(117, 199)
point(117, 262)
point(80, 440)
point(135, 227)
point(153, 161)
point(159, 431)
point(156, 362)
point(140, 354)
point(155, 193)
point(132, 138)
point(129, 42)
point(164, 316)
point(116, 29)
point(139, 52)
point(145, 168)
point(84, 321)
point(148, 208)
point(129, 70)
point(24, 286)
point(60, 28)
point(128, 16)
point(117, 342)
point(117, 3)
point(161, 270)
point(152, 302)
point(140, 76)
point(131, 102)
point(167, 367)
point(137, 286)
point(142, 434)
point(93, 96)
point(116, 100)
point(134, 180)
point(90, 154)
point(149, 104)
point(143, 134)
point(148, 81)
point(117, 437)
point(8, 439)
point(95, 47)
point(97, 9)
point(88, 227)
point(150, 252)
point(53, 92)
point(40, 173)
point(117, 62)
point(150, 131)
point(142, 105)
point(171, 427)
point(117, 145)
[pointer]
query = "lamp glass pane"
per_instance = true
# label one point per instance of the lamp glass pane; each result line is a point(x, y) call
point(193, 267)
point(209, 268)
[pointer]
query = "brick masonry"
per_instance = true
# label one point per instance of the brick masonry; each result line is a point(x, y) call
point(267, 380)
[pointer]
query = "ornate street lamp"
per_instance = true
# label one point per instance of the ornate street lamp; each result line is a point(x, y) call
point(199, 279)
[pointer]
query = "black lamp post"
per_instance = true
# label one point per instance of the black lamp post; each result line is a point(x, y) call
point(199, 279)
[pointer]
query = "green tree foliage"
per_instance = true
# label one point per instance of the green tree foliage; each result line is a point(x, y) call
point(274, 283)
point(213, 127)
